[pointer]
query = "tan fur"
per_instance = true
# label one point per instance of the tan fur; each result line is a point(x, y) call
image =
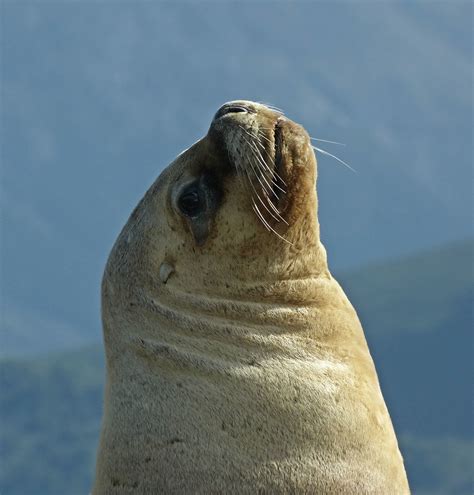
point(237, 366)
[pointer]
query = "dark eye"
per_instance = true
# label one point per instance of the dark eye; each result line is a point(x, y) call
point(190, 202)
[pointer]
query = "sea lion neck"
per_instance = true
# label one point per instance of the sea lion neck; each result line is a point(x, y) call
point(214, 332)
point(274, 273)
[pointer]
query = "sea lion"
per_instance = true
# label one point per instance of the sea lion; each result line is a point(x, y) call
point(235, 362)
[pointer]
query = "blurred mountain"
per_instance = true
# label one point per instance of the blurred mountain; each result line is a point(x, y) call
point(50, 417)
point(417, 313)
point(97, 97)
point(418, 322)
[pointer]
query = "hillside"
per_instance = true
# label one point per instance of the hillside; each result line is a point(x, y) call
point(418, 320)
point(50, 415)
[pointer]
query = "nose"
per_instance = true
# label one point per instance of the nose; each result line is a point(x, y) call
point(232, 108)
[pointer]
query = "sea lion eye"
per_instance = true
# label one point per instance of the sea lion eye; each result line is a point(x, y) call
point(190, 202)
point(198, 202)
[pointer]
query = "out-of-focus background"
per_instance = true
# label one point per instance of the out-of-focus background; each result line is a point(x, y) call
point(99, 96)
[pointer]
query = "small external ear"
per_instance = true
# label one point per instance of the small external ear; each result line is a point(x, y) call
point(166, 269)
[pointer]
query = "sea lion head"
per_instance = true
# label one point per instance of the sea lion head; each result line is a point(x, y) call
point(238, 206)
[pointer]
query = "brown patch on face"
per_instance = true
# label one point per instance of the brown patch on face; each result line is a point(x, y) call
point(296, 166)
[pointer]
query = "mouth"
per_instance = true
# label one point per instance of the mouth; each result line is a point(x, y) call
point(278, 184)
point(277, 141)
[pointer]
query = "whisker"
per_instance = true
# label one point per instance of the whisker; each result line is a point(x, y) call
point(269, 226)
point(260, 168)
point(265, 165)
point(272, 172)
point(266, 207)
point(259, 215)
point(261, 134)
point(271, 107)
point(324, 152)
point(266, 129)
point(274, 208)
point(253, 137)
point(278, 218)
point(327, 141)
point(256, 174)
point(253, 140)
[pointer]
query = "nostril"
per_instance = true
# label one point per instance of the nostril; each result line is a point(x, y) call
point(230, 109)
point(235, 109)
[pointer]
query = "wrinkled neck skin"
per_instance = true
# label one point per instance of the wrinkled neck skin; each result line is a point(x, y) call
point(237, 364)
point(238, 322)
